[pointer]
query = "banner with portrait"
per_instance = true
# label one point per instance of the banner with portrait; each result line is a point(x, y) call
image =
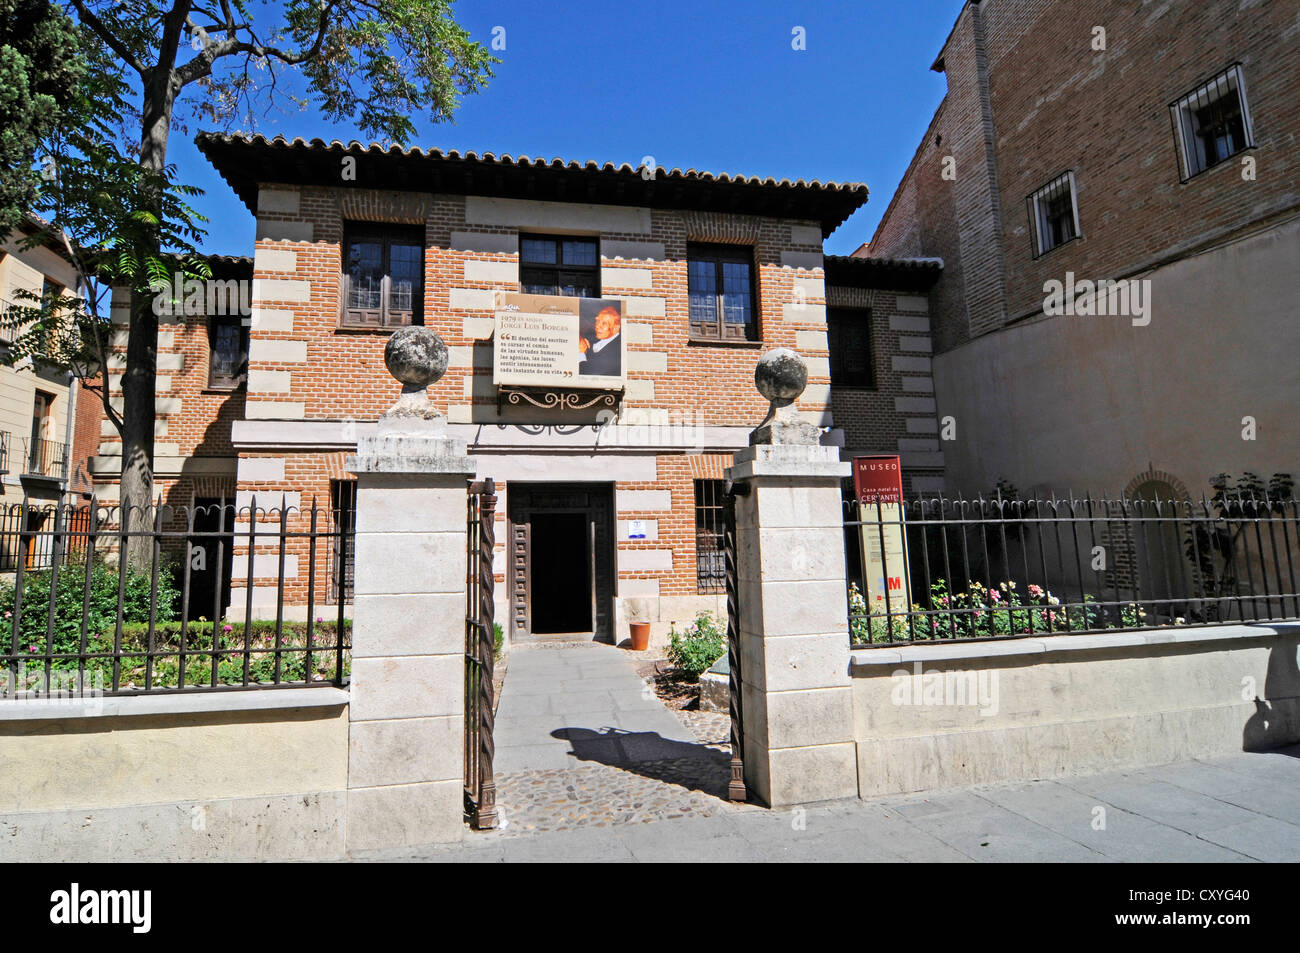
point(549, 341)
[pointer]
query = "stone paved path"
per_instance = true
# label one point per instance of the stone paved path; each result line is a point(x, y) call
point(1245, 807)
point(583, 742)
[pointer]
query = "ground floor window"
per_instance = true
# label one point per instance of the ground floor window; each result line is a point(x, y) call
point(710, 548)
point(343, 514)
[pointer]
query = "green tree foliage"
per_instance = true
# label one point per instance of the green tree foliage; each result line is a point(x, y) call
point(40, 73)
point(375, 61)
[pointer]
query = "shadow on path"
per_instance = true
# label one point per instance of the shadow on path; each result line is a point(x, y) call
point(693, 766)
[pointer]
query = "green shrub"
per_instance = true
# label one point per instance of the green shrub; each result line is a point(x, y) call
point(70, 600)
point(498, 640)
point(694, 650)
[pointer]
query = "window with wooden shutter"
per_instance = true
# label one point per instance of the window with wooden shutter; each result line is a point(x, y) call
point(848, 335)
point(559, 265)
point(383, 277)
point(723, 302)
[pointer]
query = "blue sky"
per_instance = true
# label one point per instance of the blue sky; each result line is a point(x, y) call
point(693, 83)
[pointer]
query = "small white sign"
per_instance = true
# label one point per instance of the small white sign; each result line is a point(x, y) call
point(636, 529)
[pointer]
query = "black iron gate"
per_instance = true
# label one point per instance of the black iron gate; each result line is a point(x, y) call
point(736, 787)
point(480, 650)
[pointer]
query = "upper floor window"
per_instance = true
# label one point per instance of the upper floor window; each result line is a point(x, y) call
point(1054, 214)
point(383, 277)
point(559, 265)
point(720, 279)
point(848, 333)
point(227, 352)
point(1212, 122)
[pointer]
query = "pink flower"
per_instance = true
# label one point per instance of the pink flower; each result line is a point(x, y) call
point(227, 628)
point(1035, 591)
point(319, 619)
point(33, 648)
point(993, 594)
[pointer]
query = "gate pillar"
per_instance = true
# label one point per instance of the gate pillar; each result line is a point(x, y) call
point(796, 699)
point(406, 733)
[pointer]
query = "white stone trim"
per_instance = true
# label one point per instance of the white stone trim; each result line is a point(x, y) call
point(182, 703)
point(270, 319)
point(806, 235)
point(805, 341)
point(471, 299)
point(170, 362)
point(640, 390)
point(918, 385)
point(500, 272)
point(281, 289)
point(285, 201)
point(804, 312)
point(917, 304)
point(275, 259)
point(914, 405)
point(903, 322)
point(919, 365)
point(269, 382)
point(645, 307)
point(924, 345)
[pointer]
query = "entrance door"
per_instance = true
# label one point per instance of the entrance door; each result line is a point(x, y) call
point(561, 559)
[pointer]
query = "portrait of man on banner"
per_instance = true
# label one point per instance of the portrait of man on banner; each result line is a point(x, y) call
point(600, 339)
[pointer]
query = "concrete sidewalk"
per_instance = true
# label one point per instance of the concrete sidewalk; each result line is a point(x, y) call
point(567, 705)
point(1244, 807)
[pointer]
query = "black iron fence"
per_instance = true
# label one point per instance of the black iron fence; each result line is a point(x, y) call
point(935, 569)
point(120, 601)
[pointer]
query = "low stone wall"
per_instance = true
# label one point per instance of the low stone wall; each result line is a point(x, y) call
point(250, 775)
point(929, 717)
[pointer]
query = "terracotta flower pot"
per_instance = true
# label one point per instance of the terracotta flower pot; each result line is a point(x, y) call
point(640, 636)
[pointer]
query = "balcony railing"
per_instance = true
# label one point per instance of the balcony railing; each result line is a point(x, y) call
point(47, 458)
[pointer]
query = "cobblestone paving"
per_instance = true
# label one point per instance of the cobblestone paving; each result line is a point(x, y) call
point(612, 775)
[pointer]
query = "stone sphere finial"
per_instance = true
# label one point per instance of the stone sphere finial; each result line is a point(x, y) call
point(781, 376)
point(416, 356)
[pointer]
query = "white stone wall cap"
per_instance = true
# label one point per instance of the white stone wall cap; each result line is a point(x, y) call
point(173, 703)
point(865, 659)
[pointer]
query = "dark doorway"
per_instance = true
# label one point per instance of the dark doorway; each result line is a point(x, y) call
point(560, 558)
point(562, 593)
point(214, 518)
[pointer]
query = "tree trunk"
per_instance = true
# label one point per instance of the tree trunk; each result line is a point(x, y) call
point(138, 379)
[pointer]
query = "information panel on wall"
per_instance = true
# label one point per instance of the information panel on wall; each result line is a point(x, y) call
point(549, 341)
point(879, 479)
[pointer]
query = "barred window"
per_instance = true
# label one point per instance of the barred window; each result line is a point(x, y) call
point(227, 352)
point(710, 537)
point(1054, 214)
point(343, 514)
point(849, 340)
point(1212, 123)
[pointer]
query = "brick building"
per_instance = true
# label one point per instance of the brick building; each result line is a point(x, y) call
point(1148, 143)
point(611, 495)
